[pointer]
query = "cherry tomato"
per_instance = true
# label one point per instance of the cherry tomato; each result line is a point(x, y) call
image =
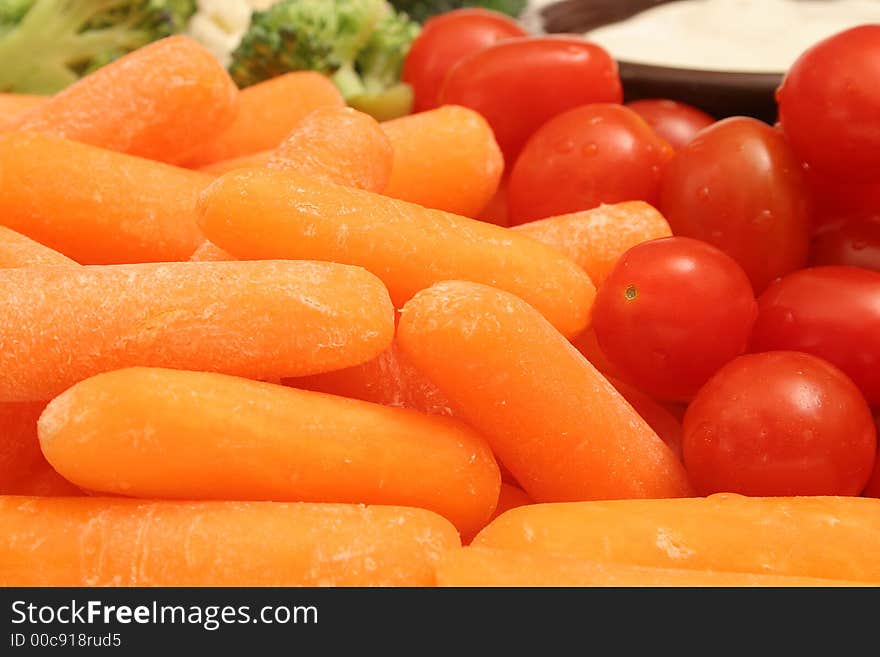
point(835, 202)
point(672, 312)
point(831, 312)
point(585, 157)
point(829, 104)
point(738, 186)
point(520, 84)
point(855, 243)
point(444, 41)
point(675, 122)
point(779, 423)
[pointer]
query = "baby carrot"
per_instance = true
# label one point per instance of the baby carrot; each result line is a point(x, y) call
point(60, 325)
point(13, 106)
point(92, 541)
point(97, 206)
point(267, 112)
point(595, 239)
point(480, 566)
point(150, 103)
point(210, 252)
point(388, 379)
point(23, 468)
point(446, 159)
point(830, 537)
point(173, 434)
point(160, 102)
point(558, 425)
point(16, 250)
point(339, 145)
point(255, 160)
point(257, 214)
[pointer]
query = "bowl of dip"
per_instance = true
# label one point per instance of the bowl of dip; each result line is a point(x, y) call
point(726, 57)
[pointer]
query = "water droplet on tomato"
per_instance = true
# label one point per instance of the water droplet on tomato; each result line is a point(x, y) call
point(590, 149)
point(565, 146)
point(703, 194)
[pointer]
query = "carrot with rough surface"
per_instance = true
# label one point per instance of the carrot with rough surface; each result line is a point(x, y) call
point(267, 112)
point(595, 239)
point(17, 250)
point(257, 214)
point(91, 541)
point(339, 145)
point(480, 566)
point(160, 102)
point(60, 325)
point(828, 537)
point(446, 159)
point(97, 206)
point(23, 468)
point(551, 418)
point(172, 434)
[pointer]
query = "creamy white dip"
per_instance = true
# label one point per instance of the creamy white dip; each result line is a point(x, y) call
point(728, 35)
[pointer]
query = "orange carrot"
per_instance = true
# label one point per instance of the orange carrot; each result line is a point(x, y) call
point(173, 434)
point(23, 468)
point(830, 537)
point(60, 325)
point(595, 239)
point(257, 214)
point(563, 431)
point(256, 160)
point(160, 102)
point(388, 379)
point(267, 112)
point(446, 159)
point(479, 566)
point(210, 252)
point(13, 106)
point(117, 542)
point(658, 417)
point(339, 145)
point(97, 206)
point(16, 250)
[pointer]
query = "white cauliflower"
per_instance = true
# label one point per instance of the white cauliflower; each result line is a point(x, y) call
point(219, 24)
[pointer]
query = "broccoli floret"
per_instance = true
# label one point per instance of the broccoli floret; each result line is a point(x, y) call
point(49, 44)
point(359, 44)
point(420, 10)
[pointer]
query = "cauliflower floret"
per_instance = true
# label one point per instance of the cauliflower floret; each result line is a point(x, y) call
point(219, 24)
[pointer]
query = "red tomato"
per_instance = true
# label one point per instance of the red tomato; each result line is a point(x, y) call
point(738, 186)
point(829, 105)
point(585, 157)
point(831, 312)
point(779, 423)
point(675, 122)
point(835, 202)
point(855, 243)
point(520, 84)
point(672, 312)
point(444, 41)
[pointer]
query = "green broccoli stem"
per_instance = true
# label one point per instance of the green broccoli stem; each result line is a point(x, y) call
point(348, 81)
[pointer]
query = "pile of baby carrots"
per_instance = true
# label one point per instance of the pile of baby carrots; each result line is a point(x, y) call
point(257, 338)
